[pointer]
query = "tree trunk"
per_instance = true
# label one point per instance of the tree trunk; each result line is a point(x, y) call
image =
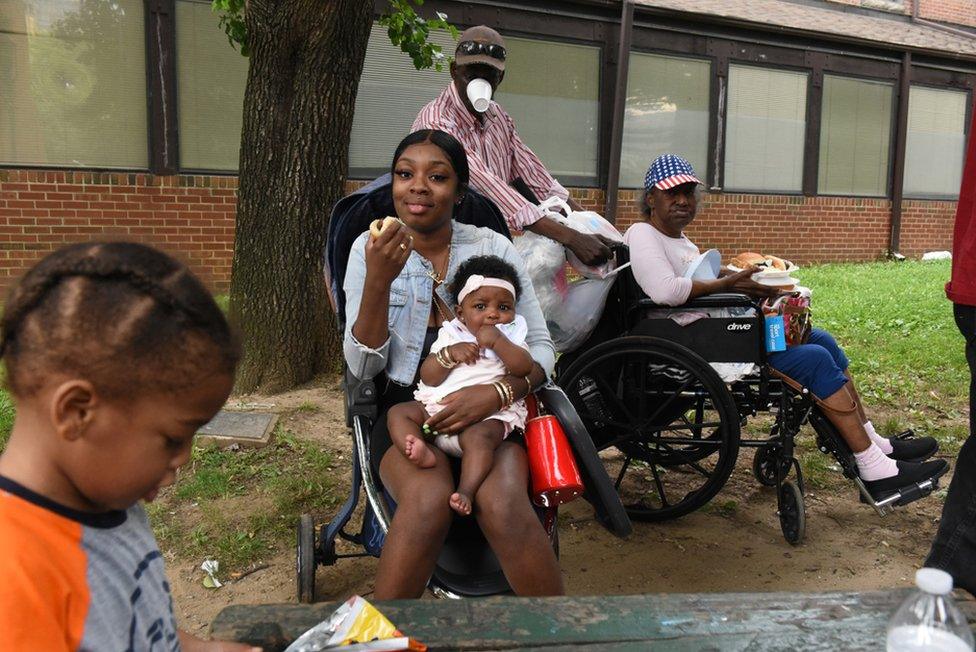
point(305, 62)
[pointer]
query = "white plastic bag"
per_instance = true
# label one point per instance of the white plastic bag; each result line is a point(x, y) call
point(585, 222)
point(545, 263)
point(572, 321)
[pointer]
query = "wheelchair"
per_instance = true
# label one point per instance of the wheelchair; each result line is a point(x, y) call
point(669, 428)
point(466, 567)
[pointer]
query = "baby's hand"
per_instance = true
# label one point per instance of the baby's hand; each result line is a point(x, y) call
point(488, 336)
point(464, 352)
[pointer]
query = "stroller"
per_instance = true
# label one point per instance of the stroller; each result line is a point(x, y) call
point(466, 567)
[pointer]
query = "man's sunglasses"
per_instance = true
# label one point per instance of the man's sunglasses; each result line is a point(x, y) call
point(474, 47)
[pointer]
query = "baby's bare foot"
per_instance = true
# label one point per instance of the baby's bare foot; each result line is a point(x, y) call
point(418, 452)
point(460, 503)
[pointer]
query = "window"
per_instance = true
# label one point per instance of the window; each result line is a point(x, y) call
point(73, 84)
point(855, 135)
point(666, 112)
point(552, 92)
point(935, 143)
point(765, 128)
point(210, 80)
point(391, 94)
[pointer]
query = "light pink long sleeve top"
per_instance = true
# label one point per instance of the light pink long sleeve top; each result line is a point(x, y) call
point(659, 263)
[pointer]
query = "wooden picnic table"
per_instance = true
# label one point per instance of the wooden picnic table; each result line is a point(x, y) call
point(704, 621)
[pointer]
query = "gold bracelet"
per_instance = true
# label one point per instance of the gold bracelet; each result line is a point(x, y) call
point(449, 357)
point(501, 393)
point(509, 392)
point(528, 385)
point(442, 360)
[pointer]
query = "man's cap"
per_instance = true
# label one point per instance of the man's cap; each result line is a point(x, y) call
point(668, 171)
point(480, 34)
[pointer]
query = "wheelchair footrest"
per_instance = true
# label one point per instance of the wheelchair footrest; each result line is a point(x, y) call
point(899, 498)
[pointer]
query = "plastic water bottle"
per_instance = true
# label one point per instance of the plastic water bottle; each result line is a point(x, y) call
point(928, 619)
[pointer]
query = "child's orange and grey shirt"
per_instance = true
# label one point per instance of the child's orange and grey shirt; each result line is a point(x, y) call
point(71, 580)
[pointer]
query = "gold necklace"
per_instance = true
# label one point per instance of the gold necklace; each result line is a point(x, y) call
point(439, 280)
point(432, 272)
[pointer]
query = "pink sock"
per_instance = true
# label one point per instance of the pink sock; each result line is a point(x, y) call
point(882, 443)
point(873, 464)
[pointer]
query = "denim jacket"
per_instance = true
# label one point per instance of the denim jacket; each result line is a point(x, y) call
point(410, 299)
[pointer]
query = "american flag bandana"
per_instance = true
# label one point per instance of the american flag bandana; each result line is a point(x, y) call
point(668, 171)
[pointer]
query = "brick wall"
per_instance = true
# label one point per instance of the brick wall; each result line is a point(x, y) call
point(960, 12)
point(192, 217)
point(894, 6)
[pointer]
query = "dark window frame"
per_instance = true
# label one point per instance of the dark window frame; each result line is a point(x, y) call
point(807, 130)
point(712, 63)
point(966, 122)
point(892, 134)
point(181, 169)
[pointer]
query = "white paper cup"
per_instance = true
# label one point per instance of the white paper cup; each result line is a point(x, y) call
point(479, 94)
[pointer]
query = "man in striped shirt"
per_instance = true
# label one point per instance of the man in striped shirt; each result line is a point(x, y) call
point(496, 155)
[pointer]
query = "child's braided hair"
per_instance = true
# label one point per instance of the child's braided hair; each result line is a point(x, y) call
point(123, 315)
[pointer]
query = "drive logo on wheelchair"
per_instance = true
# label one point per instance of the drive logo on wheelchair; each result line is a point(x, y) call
point(738, 327)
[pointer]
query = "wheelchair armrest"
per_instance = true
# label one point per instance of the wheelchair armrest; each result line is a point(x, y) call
point(361, 397)
point(719, 300)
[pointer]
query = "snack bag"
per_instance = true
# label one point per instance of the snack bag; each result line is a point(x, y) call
point(794, 310)
point(353, 627)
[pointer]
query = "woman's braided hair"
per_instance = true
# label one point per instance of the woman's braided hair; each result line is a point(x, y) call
point(123, 315)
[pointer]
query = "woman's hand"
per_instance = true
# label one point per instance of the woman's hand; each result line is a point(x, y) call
point(464, 407)
point(387, 253)
point(742, 282)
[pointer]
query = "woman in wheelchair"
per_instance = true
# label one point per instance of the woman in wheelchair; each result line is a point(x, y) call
point(482, 345)
point(396, 300)
point(661, 253)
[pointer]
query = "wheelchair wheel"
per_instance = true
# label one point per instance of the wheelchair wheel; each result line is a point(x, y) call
point(792, 516)
point(764, 466)
point(664, 422)
point(305, 560)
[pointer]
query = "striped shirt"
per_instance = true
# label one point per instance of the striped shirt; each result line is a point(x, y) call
point(496, 156)
point(75, 581)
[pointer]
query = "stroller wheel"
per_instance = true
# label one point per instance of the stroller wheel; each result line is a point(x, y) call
point(792, 517)
point(305, 559)
point(764, 466)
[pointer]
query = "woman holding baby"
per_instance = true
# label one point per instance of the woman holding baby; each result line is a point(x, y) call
point(398, 298)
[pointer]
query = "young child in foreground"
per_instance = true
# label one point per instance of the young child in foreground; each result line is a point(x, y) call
point(481, 346)
point(115, 355)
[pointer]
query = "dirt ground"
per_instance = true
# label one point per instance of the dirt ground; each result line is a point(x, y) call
point(733, 544)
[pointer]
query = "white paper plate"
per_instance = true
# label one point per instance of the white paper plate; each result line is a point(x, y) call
point(775, 282)
point(706, 266)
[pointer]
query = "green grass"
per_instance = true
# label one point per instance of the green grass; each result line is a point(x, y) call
point(895, 324)
point(7, 414)
point(239, 506)
point(308, 407)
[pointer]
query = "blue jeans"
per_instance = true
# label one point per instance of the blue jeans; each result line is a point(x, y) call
point(818, 365)
point(954, 548)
